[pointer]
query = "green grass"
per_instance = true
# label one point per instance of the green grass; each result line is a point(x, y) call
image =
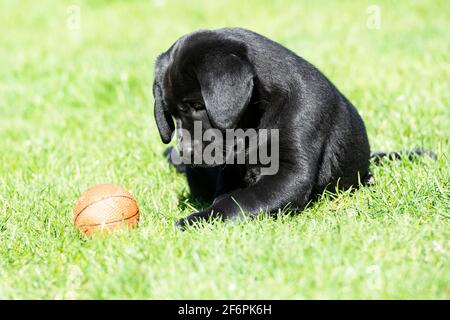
point(76, 110)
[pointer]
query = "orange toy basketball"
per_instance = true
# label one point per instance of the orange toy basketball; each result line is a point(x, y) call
point(105, 207)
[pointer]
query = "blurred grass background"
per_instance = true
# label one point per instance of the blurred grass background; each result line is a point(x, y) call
point(76, 110)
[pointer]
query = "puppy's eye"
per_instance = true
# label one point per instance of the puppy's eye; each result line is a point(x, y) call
point(183, 107)
point(197, 105)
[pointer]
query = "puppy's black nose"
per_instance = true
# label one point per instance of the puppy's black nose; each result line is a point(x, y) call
point(186, 151)
point(190, 149)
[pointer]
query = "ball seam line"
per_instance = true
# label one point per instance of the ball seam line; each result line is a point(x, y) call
point(96, 201)
point(110, 222)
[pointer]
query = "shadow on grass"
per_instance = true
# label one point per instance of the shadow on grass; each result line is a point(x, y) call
point(188, 201)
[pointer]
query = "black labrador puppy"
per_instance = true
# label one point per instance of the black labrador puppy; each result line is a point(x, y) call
point(234, 78)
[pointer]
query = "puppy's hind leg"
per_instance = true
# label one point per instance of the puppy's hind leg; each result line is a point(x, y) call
point(368, 179)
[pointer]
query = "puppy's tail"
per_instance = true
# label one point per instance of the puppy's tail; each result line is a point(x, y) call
point(378, 157)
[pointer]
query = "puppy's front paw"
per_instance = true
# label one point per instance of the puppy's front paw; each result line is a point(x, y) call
point(192, 219)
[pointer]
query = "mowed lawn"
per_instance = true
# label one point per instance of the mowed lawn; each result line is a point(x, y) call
point(76, 109)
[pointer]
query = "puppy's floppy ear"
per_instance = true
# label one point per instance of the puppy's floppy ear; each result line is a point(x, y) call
point(163, 118)
point(226, 82)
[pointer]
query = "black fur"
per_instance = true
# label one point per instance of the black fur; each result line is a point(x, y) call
point(377, 157)
point(235, 78)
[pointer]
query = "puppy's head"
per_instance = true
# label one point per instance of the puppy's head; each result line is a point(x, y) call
point(202, 81)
